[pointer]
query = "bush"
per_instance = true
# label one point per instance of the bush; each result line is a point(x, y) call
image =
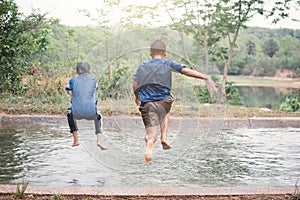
point(232, 94)
point(21, 37)
point(202, 94)
point(291, 104)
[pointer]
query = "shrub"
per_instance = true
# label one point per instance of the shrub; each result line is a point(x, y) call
point(232, 94)
point(291, 104)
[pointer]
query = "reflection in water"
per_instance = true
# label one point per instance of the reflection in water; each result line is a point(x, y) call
point(12, 156)
point(42, 155)
point(267, 97)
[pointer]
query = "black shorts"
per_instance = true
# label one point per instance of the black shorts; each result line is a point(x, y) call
point(153, 113)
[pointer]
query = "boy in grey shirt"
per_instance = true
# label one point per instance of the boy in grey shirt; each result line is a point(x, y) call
point(84, 102)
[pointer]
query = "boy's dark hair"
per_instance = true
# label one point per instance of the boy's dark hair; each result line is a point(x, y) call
point(82, 67)
point(158, 47)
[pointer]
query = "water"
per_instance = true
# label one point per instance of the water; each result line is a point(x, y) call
point(267, 97)
point(42, 155)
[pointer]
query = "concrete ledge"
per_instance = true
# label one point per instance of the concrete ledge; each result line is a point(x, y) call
point(112, 122)
point(263, 122)
point(161, 191)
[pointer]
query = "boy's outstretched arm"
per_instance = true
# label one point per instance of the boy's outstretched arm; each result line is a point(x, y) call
point(136, 94)
point(196, 74)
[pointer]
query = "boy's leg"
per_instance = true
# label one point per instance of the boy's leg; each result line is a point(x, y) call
point(164, 109)
point(99, 129)
point(164, 133)
point(151, 122)
point(99, 144)
point(75, 138)
point(73, 127)
point(150, 140)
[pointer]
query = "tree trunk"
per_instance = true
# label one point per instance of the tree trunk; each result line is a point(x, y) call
point(227, 63)
point(206, 52)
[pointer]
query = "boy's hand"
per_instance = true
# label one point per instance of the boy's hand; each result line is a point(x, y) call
point(211, 84)
point(138, 101)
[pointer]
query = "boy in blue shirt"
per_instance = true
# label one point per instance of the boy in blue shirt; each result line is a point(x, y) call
point(84, 102)
point(152, 85)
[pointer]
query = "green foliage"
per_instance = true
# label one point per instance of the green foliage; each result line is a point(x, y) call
point(20, 38)
point(232, 94)
point(28, 45)
point(20, 191)
point(260, 64)
point(57, 197)
point(251, 50)
point(243, 64)
point(41, 93)
point(270, 47)
point(234, 69)
point(221, 54)
point(295, 197)
point(291, 104)
point(202, 94)
point(113, 87)
point(40, 85)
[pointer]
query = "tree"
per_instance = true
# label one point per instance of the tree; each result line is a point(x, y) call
point(216, 19)
point(20, 38)
point(104, 20)
point(227, 19)
point(279, 10)
point(251, 50)
point(195, 20)
point(208, 22)
point(270, 47)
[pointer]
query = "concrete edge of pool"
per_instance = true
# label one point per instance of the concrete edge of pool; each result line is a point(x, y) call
point(153, 192)
point(111, 122)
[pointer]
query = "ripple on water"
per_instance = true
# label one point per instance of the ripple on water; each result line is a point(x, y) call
point(42, 154)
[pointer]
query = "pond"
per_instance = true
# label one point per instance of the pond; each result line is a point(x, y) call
point(41, 154)
point(266, 97)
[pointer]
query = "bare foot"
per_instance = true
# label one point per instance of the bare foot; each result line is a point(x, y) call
point(148, 157)
point(75, 139)
point(75, 144)
point(165, 145)
point(149, 153)
point(101, 147)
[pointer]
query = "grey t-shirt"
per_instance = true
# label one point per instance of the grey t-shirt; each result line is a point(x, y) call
point(154, 78)
point(83, 96)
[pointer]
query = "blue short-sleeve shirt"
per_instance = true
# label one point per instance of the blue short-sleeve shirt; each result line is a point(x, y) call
point(154, 78)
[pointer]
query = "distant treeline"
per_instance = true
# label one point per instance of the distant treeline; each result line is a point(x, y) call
point(263, 51)
point(259, 51)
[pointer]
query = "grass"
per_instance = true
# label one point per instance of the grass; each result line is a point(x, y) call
point(295, 197)
point(57, 197)
point(128, 108)
point(262, 81)
point(56, 104)
point(20, 192)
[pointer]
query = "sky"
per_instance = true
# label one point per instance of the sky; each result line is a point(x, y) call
point(69, 12)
